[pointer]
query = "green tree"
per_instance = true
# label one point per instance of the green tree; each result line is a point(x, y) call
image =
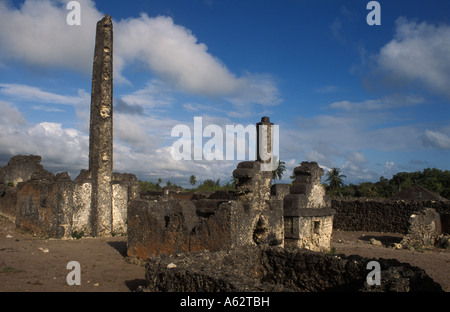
point(192, 180)
point(278, 173)
point(209, 185)
point(334, 177)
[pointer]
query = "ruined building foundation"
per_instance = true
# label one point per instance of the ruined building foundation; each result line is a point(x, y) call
point(255, 214)
point(257, 237)
point(95, 203)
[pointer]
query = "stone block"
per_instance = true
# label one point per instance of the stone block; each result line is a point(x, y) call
point(424, 229)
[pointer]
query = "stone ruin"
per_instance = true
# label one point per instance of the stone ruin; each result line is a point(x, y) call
point(54, 205)
point(276, 269)
point(95, 203)
point(308, 217)
point(261, 237)
point(253, 215)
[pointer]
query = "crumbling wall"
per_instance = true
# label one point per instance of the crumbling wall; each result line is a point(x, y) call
point(274, 269)
point(382, 215)
point(262, 219)
point(44, 205)
point(424, 229)
point(216, 221)
point(174, 226)
point(8, 200)
point(125, 187)
point(54, 205)
point(20, 168)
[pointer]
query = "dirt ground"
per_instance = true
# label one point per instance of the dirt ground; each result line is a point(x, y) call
point(32, 264)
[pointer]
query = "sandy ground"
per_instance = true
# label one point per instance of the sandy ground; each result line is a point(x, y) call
point(34, 264)
point(434, 261)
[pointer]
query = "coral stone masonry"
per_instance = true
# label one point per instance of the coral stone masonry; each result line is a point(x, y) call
point(308, 217)
point(101, 130)
point(95, 203)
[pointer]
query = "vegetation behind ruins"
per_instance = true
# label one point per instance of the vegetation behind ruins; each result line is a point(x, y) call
point(434, 180)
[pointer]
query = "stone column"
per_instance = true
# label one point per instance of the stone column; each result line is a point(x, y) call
point(101, 130)
point(264, 140)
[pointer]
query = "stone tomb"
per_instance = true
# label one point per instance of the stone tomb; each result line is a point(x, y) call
point(308, 217)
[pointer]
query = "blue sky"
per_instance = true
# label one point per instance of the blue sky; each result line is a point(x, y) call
point(371, 100)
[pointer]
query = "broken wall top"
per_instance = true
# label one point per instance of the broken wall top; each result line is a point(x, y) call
point(22, 168)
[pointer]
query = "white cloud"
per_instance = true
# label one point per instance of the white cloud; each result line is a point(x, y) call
point(347, 140)
point(10, 115)
point(389, 102)
point(419, 52)
point(81, 102)
point(42, 37)
point(154, 95)
point(173, 52)
point(258, 89)
point(61, 149)
point(24, 92)
point(436, 139)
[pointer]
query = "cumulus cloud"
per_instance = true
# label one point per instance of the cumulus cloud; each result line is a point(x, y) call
point(175, 55)
point(175, 59)
point(61, 149)
point(42, 37)
point(419, 53)
point(173, 52)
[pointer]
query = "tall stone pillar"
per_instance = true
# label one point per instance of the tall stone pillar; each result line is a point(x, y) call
point(101, 130)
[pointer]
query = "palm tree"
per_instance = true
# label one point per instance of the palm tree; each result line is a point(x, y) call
point(335, 177)
point(278, 173)
point(192, 180)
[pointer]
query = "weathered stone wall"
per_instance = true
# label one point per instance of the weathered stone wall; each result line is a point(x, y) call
point(276, 269)
point(44, 206)
point(308, 217)
point(125, 187)
point(174, 226)
point(8, 200)
point(82, 190)
point(54, 205)
point(381, 215)
point(20, 168)
point(424, 229)
point(309, 232)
